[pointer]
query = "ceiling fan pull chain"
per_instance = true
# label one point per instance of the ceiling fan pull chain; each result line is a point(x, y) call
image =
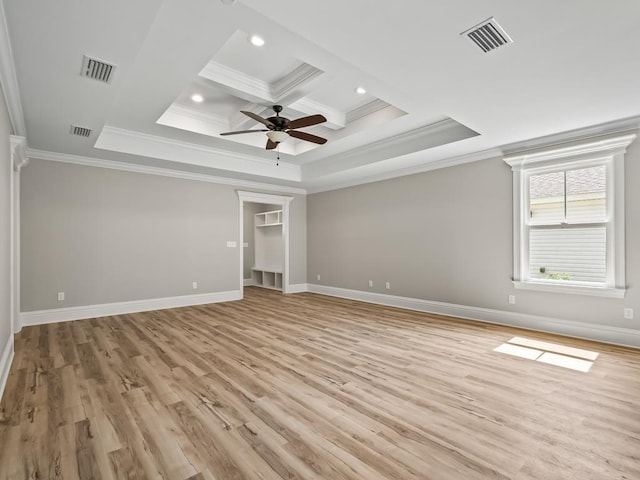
point(277, 155)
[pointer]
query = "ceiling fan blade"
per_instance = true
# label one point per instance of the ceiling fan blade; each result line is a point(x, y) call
point(308, 137)
point(258, 118)
point(306, 121)
point(243, 131)
point(271, 145)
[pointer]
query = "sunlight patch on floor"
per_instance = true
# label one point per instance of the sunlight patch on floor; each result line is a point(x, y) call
point(550, 353)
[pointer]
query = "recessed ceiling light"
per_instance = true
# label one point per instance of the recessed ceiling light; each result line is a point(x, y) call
point(197, 98)
point(256, 40)
point(228, 2)
point(360, 91)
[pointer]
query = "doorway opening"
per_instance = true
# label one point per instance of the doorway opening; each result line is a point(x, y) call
point(264, 240)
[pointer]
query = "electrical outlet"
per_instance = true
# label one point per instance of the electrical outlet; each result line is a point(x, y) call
point(195, 285)
point(512, 299)
point(371, 283)
point(318, 277)
point(60, 296)
point(628, 313)
point(387, 286)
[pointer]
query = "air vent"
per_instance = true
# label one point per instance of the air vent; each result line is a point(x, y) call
point(97, 69)
point(488, 35)
point(80, 131)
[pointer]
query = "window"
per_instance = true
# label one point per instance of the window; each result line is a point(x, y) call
point(569, 218)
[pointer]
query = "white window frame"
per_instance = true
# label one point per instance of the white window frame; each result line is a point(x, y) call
point(607, 151)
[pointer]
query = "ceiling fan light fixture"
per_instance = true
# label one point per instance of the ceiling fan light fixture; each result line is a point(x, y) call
point(256, 40)
point(277, 136)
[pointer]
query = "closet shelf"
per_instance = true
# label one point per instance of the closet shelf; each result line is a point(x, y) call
point(269, 225)
point(269, 260)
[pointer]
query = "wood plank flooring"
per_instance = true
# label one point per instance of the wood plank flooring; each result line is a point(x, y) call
point(310, 387)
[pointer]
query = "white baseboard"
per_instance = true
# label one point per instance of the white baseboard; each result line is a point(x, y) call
point(247, 282)
point(298, 288)
point(5, 364)
point(40, 317)
point(615, 335)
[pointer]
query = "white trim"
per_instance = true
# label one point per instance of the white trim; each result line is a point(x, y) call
point(19, 160)
point(406, 138)
point(365, 110)
point(602, 333)
point(271, 200)
point(611, 128)
point(164, 172)
point(5, 364)
point(605, 150)
point(236, 80)
point(336, 119)
point(257, 88)
point(425, 167)
point(247, 282)
point(190, 113)
point(8, 78)
point(587, 149)
point(146, 145)
point(575, 289)
point(19, 157)
point(55, 315)
point(298, 288)
point(294, 80)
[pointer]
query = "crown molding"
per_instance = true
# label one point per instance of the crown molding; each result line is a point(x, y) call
point(301, 75)
point(605, 145)
point(422, 138)
point(182, 111)
point(425, 167)
point(335, 117)
point(9, 80)
point(615, 127)
point(236, 80)
point(368, 108)
point(404, 138)
point(19, 158)
point(239, 121)
point(137, 143)
point(163, 172)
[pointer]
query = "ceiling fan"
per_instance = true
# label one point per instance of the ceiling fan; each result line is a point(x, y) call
point(280, 128)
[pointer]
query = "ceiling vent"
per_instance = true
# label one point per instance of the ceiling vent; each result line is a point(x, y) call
point(488, 35)
point(80, 131)
point(97, 69)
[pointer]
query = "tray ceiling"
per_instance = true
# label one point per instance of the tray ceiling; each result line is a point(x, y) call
point(432, 96)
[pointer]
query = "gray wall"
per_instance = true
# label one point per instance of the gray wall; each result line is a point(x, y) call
point(105, 236)
point(446, 236)
point(5, 226)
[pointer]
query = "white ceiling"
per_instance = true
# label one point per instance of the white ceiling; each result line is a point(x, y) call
point(432, 99)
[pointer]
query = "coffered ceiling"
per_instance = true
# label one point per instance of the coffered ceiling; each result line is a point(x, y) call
point(432, 97)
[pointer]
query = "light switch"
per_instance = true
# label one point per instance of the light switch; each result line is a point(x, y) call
point(231, 244)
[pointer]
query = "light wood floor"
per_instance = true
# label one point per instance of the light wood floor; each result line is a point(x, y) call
point(305, 386)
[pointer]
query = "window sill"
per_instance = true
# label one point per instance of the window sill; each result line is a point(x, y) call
point(572, 289)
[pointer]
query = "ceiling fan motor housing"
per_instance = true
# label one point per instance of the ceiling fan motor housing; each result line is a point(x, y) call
point(280, 128)
point(279, 123)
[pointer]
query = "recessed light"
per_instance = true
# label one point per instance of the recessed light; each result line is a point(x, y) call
point(228, 2)
point(360, 91)
point(197, 98)
point(256, 40)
